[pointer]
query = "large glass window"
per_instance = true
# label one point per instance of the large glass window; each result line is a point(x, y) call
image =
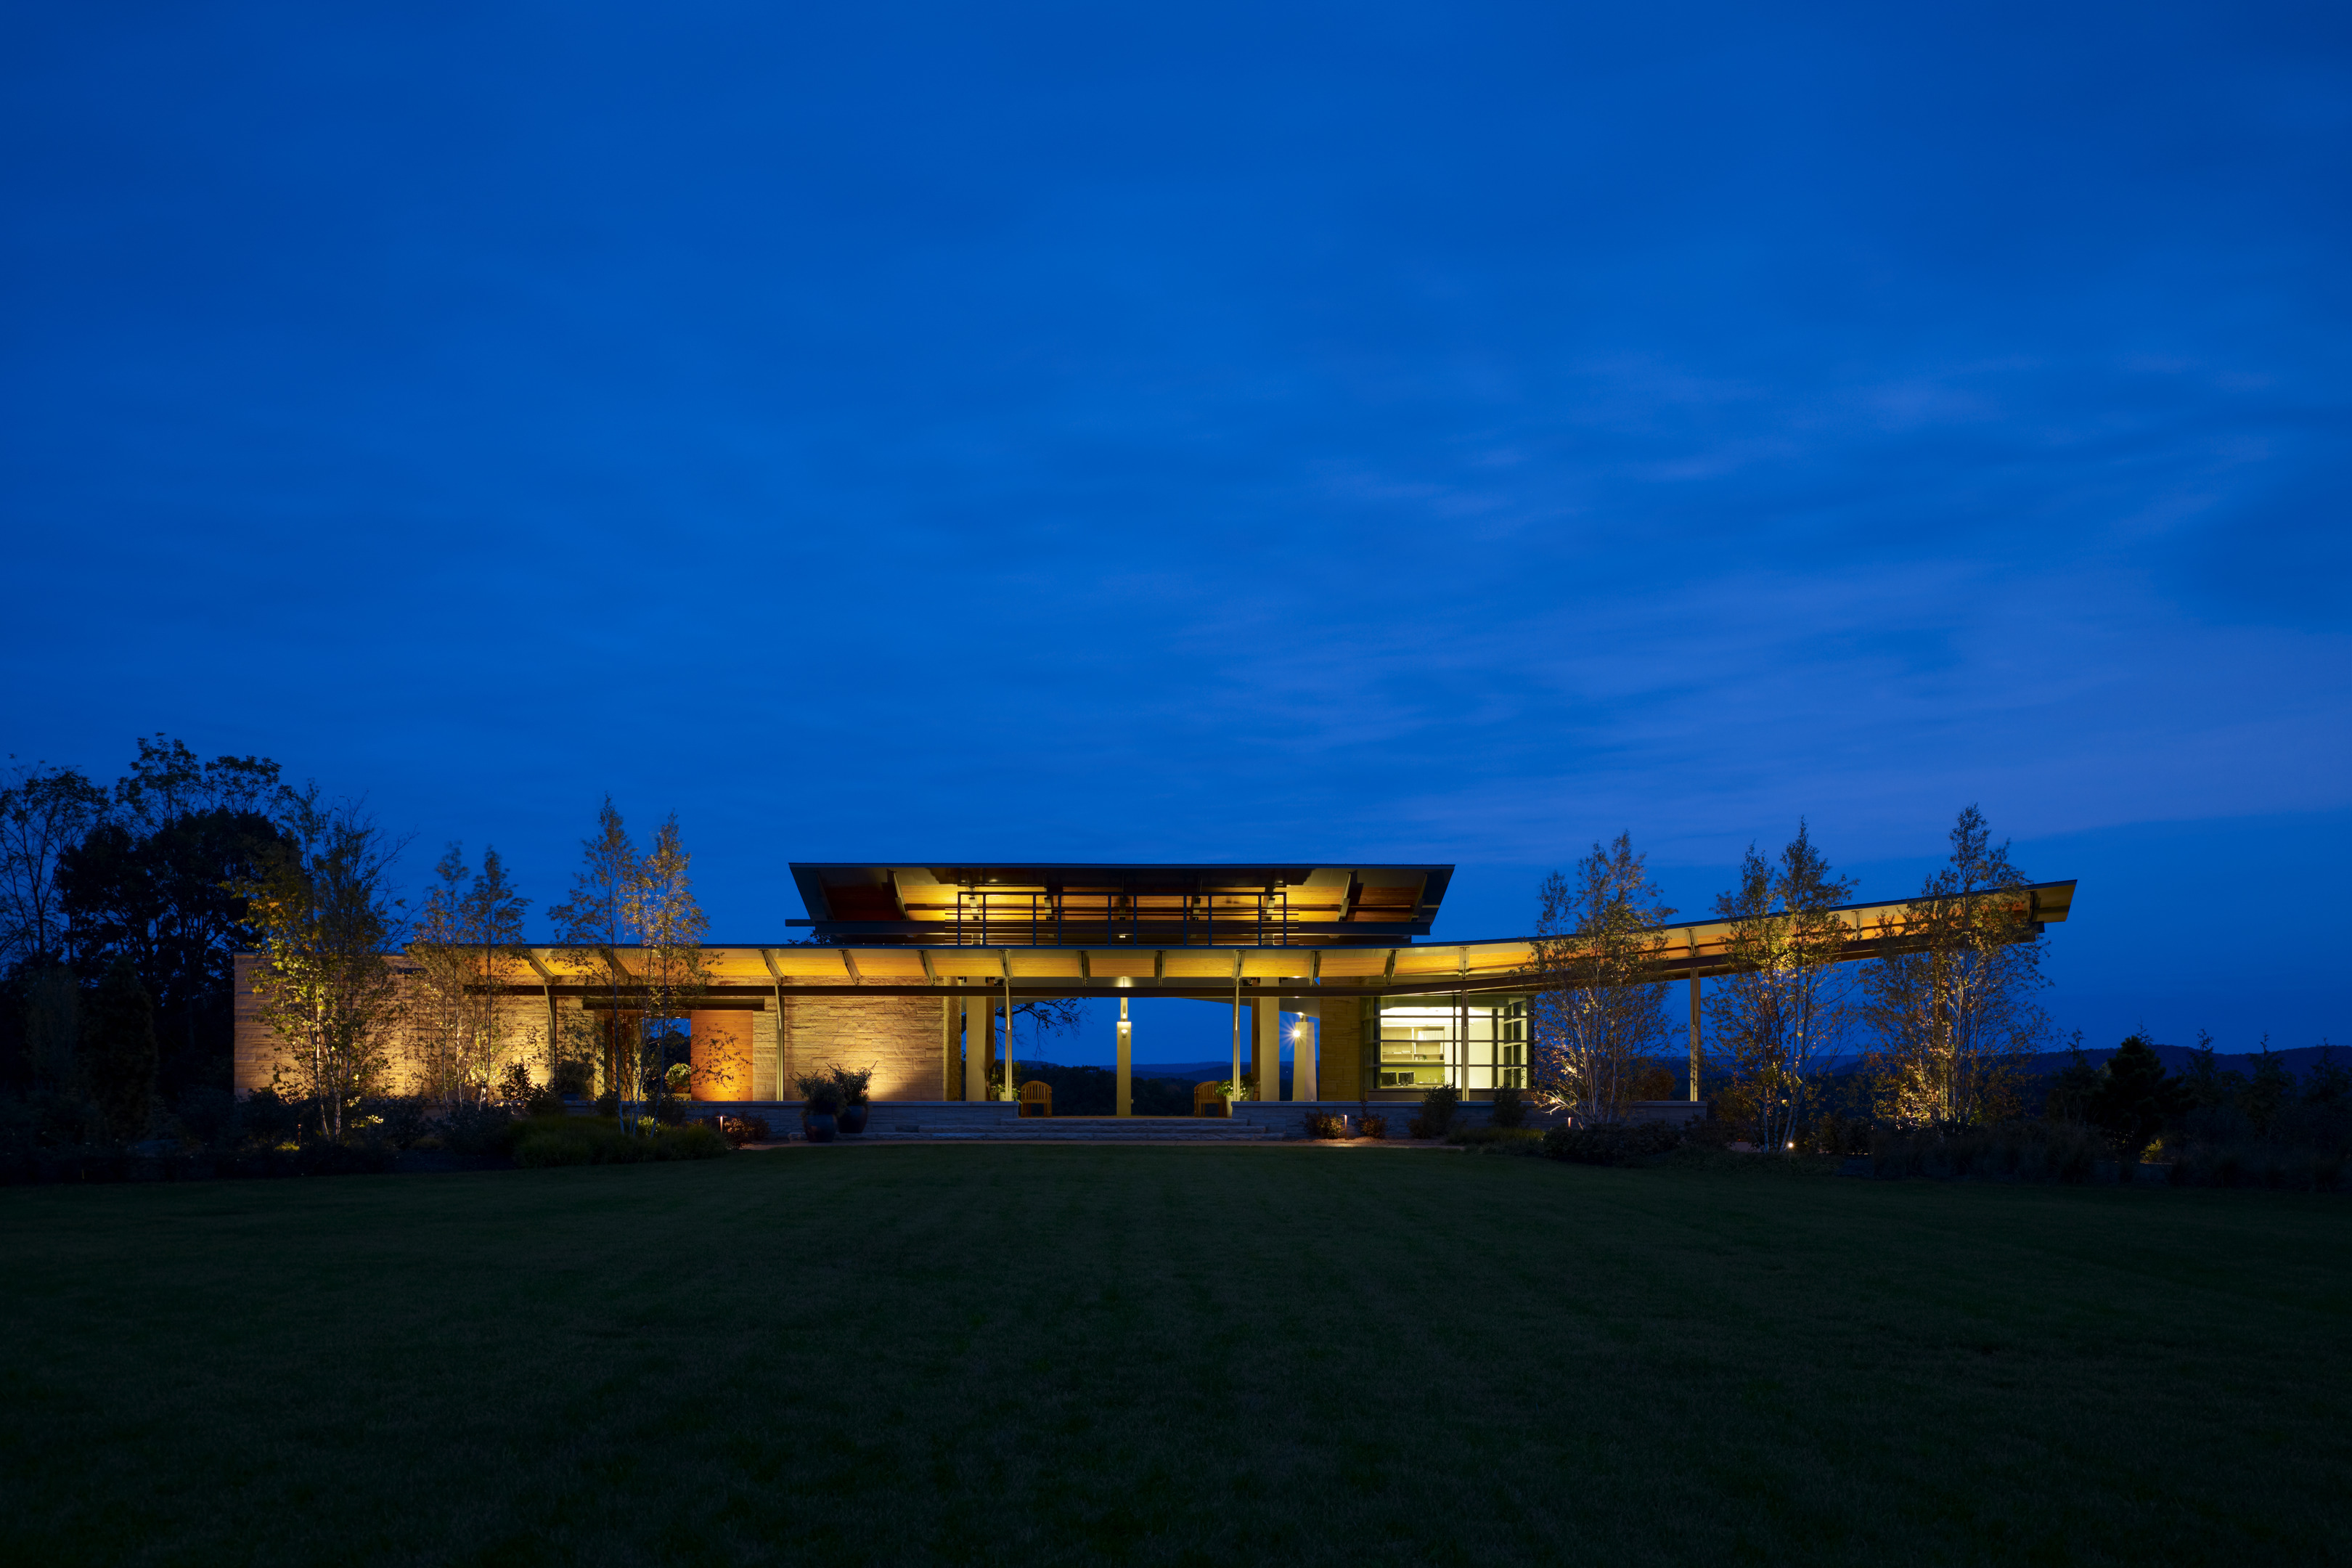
point(1474, 1044)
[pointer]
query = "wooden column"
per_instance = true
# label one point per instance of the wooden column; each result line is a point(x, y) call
point(951, 1056)
point(1694, 1015)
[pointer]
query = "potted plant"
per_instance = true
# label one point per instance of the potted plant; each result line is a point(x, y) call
point(820, 1104)
point(852, 1082)
point(1232, 1090)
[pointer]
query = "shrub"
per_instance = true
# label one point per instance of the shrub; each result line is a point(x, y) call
point(1510, 1109)
point(480, 1130)
point(583, 1141)
point(571, 1078)
point(269, 1119)
point(2247, 1165)
point(1323, 1125)
point(1612, 1142)
point(852, 1082)
point(2014, 1151)
point(1437, 1107)
point(1832, 1133)
point(695, 1141)
point(1498, 1140)
point(400, 1119)
point(1372, 1126)
point(820, 1091)
point(741, 1130)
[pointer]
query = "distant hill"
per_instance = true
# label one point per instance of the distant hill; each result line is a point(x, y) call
point(1187, 1072)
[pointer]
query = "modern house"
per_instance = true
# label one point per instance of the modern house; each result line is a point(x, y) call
point(913, 970)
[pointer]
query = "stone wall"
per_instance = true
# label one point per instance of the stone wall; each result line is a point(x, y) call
point(898, 1037)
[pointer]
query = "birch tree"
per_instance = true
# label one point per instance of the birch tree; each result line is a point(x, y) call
point(646, 903)
point(1953, 1010)
point(469, 929)
point(669, 926)
point(1778, 1016)
point(1599, 1009)
point(328, 926)
point(591, 928)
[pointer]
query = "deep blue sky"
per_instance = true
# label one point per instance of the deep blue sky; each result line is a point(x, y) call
point(1440, 433)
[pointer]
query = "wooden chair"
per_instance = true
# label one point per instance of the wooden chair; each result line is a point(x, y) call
point(1207, 1101)
point(1038, 1093)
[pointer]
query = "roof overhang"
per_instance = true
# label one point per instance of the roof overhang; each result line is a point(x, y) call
point(1700, 949)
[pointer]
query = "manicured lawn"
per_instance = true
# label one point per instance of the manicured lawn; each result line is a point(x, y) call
point(1203, 1355)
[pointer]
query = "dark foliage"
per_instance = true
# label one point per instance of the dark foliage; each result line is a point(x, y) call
point(1509, 1109)
point(1326, 1125)
point(820, 1093)
point(1372, 1126)
point(1832, 1133)
point(2011, 1151)
point(2071, 1089)
point(572, 1078)
point(741, 1130)
point(118, 1050)
point(480, 1130)
point(157, 898)
point(1498, 1140)
point(1612, 1143)
point(2135, 1098)
point(1438, 1107)
point(583, 1140)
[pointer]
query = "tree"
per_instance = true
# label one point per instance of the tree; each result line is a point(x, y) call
point(2268, 1088)
point(1599, 1009)
point(2074, 1086)
point(44, 813)
point(2208, 1088)
point(1953, 1007)
point(669, 926)
point(620, 900)
point(53, 1028)
point(2327, 1085)
point(118, 1050)
point(591, 926)
point(163, 898)
point(328, 925)
point(2136, 1097)
point(466, 935)
point(1780, 1013)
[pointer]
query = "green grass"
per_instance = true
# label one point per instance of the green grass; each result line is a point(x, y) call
point(1035, 1356)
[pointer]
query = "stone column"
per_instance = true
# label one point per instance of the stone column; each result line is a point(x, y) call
point(979, 1043)
point(1303, 1085)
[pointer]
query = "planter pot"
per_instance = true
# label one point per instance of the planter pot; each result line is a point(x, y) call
point(819, 1127)
point(852, 1118)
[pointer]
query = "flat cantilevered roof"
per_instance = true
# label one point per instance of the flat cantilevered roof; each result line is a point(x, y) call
point(1133, 905)
point(762, 975)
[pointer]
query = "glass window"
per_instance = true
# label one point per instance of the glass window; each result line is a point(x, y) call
point(1476, 1045)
